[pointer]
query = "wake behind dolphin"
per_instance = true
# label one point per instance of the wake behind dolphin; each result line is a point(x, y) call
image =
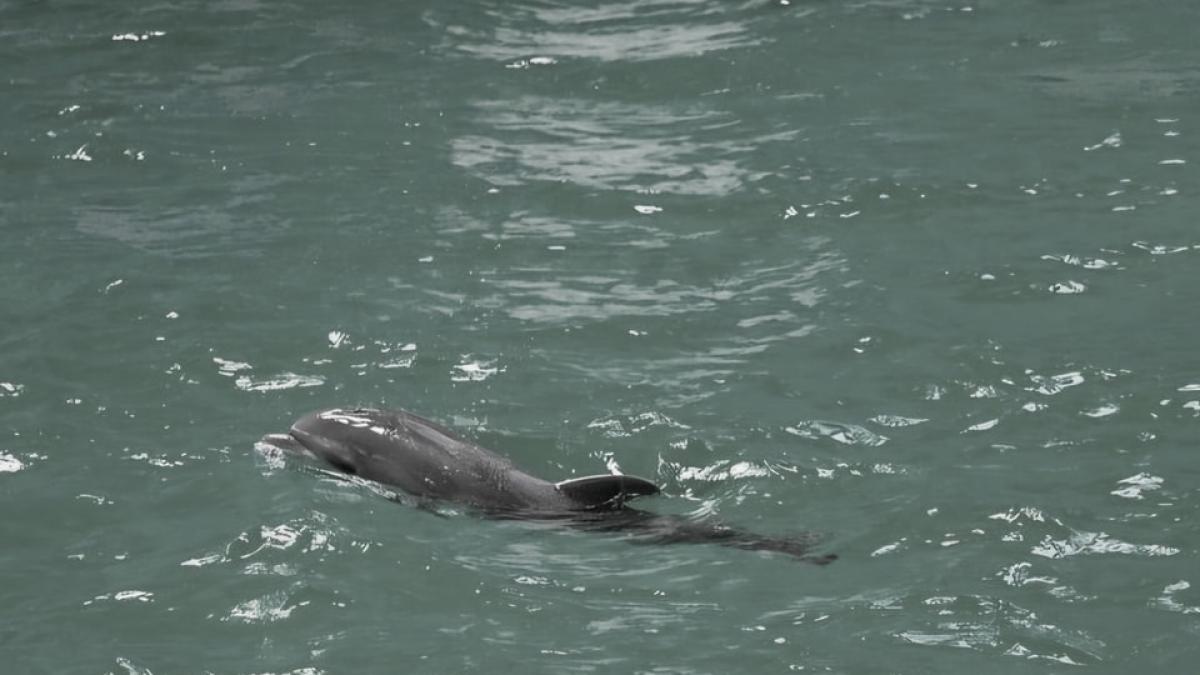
point(429, 461)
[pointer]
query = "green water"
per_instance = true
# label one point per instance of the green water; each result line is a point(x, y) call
point(919, 277)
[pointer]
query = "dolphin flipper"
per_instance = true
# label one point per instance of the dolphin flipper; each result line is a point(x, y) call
point(606, 490)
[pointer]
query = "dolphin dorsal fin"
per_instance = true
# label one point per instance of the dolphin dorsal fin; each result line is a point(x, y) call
point(606, 489)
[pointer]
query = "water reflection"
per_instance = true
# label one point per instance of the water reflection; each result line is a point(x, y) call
point(532, 294)
point(623, 31)
point(685, 149)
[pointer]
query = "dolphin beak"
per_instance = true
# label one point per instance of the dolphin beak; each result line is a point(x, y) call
point(287, 443)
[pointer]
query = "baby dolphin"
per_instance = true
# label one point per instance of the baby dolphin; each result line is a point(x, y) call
point(424, 459)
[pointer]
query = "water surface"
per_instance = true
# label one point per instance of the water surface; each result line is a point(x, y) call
point(922, 278)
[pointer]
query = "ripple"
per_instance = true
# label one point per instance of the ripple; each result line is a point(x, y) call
point(193, 231)
point(258, 550)
point(10, 463)
point(597, 292)
point(888, 548)
point(1055, 384)
point(337, 338)
point(138, 37)
point(1018, 649)
point(132, 668)
point(963, 637)
point(846, 434)
point(1067, 288)
point(1111, 141)
point(543, 560)
point(1084, 262)
point(1170, 602)
point(1145, 78)
point(123, 596)
point(853, 469)
point(160, 461)
point(387, 355)
point(610, 145)
point(474, 370)
point(1134, 486)
point(897, 421)
point(404, 361)
point(996, 626)
point(1161, 249)
point(628, 425)
point(1102, 411)
point(229, 368)
point(1018, 574)
point(984, 426)
point(622, 31)
point(532, 227)
point(268, 608)
point(725, 470)
point(1023, 513)
point(1095, 543)
point(561, 302)
point(281, 381)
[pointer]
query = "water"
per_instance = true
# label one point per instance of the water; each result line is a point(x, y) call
point(919, 277)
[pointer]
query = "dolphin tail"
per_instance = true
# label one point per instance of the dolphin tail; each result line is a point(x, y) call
point(648, 528)
point(798, 547)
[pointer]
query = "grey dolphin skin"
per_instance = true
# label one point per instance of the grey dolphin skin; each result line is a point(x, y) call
point(427, 460)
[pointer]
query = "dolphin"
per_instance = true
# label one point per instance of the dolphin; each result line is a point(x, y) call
point(424, 459)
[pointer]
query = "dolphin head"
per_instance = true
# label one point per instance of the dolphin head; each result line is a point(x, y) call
point(331, 436)
point(413, 454)
point(327, 436)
